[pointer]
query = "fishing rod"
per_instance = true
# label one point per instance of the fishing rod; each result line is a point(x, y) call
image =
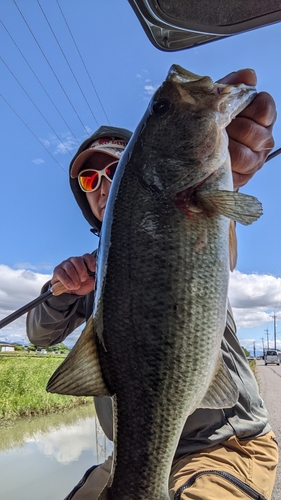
point(54, 291)
point(58, 288)
point(272, 155)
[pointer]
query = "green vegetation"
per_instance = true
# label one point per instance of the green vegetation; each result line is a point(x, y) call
point(56, 349)
point(253, 365)
point(252, 362)
point(246, 352)
point(23, 380)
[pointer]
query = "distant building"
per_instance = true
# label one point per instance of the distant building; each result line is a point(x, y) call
point(5, 347)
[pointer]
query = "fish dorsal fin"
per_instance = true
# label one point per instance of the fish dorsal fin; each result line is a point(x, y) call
point(80, 373)
point(240, 207)
point(232, 246)
point(222, 391)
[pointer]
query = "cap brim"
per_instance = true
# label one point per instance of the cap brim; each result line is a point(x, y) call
point(84, 156)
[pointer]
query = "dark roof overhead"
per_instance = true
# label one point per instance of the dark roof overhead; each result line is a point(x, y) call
point(180, 24)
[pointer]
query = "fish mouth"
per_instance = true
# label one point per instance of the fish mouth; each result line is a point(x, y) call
point(233, 98)
point(181, 75)
point(230, 99)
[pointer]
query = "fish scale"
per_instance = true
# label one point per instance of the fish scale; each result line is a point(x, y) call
point(155, 322)
point(153, 342)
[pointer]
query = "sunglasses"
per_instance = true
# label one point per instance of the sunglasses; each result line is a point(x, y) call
point(90, 179)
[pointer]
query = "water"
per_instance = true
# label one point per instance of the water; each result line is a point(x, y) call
point(45, 457)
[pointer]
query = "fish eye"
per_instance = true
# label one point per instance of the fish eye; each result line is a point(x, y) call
point(161, 106)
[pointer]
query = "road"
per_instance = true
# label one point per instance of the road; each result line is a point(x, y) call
point(269, 379)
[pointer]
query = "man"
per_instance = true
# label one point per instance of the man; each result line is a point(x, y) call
point(229, 453)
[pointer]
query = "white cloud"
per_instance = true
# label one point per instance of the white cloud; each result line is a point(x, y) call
point(38, 161)
point(249, 343)
point(18, 287)
point(254, 290)
point(254, 299)
point(250, 318)
point(142, 73)
point(45, 142)
point(67, 145)
point(89, 130)
point(150, 89)
point(145, 81)
point(67, 443)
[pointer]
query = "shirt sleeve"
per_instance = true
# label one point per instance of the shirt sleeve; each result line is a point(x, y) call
point(52, 321)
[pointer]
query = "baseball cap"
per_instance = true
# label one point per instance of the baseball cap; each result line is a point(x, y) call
point(110, 145)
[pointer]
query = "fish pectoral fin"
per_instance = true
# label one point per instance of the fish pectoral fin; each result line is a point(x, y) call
point(222, 391)
point(240, 207)
point(80, 373)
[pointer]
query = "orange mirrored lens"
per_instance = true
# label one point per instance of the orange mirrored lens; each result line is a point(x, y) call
point(110, 170)
point(89, 180)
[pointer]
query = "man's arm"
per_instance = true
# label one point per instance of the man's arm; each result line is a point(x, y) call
point(52, 321)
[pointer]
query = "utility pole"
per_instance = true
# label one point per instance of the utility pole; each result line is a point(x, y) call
point(274, 331)
point(254, 345)
point(262, 346)
point(267, 338)
point(274, 319)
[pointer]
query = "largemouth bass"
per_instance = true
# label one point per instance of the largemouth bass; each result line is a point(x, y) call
point(153, 343)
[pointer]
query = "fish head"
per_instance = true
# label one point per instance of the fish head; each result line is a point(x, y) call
point(184, 130)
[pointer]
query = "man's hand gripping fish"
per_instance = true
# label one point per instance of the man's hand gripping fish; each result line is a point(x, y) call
point(167, 244)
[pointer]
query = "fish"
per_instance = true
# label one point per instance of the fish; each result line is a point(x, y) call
point(166, 248)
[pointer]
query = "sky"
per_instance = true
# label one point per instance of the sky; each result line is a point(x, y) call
point(68, 67)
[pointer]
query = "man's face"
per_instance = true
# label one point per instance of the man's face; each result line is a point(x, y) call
point(98, 199)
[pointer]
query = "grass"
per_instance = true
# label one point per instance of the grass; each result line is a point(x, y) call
point(23, 380)
point(253, 365)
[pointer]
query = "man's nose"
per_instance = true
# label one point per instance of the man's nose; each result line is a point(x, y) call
point(104, 186)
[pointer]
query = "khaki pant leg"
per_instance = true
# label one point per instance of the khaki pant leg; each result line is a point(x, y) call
point(253, 461)
point(94, 483)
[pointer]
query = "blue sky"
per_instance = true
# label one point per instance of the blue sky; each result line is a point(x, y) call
point(40, 224)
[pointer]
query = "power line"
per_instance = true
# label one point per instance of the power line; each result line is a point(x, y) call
point(39, 81)
point(34, 135)
point(267, 338)
point(50, 66)
point(66, 60)
point(82, 60)
point(35, 105)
